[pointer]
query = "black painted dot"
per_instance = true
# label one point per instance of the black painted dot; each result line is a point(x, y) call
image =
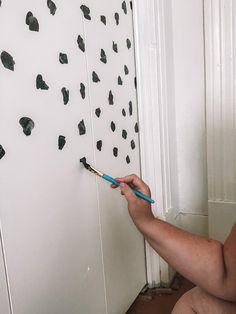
point(131, 5)
point(81, 43)
point(32, 22)
point(95, 77)
point(117, 18)
point(27, 125)
point(126, 70)
point(86, 11)
point(28, 15)
point(99, 145)
point(132, 144)
point(128, 43)
point(103, 56)
point(135, 82)
point(124, 134)
point(124, 7)
point(83, 160)
point(0, 3)
point(52, 7)
point(123, 112)
point(40, 83)
point(113, 126)
point(82, 90)
point(63, 59)
point(98, 112)
point(114, 47)
point(127, 159)
point(82, 128)
point(120, 82)
point(65, 93)
point(111, 98)
point(130, 108)
point(61, 142)
point(7, 61)
point(115, 151)
point(136, 128)
point(103, 19)
point(2, 151)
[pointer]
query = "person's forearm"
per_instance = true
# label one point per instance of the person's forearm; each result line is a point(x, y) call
point(198, 259)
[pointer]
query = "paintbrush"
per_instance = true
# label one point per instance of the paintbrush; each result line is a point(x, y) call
point(112, 180)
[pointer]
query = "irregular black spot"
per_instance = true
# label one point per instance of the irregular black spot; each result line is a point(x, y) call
point(115, 151)
point(130, 108)
point(83, 160)
point(7, 61)
point(82, 90)
point(27, 125)
point(103, 56)
point(99, 145)
point(81, 43)
point(111, 98)
point(132, 144)
point(127, 159)
point(114, 47)
point(113, 126)
point(128, 42)
point(98, 112)
point(117, 18)
point(28, 15)
point(124, 7)
point(63, 58)
point(103, 19)
point(40, 83)
point(86, 11)
point(82, 128)
point(32, 22)
point(136, 128)
point(126, 70)
point(120, 82)
point(123, 112)
point(65, 93)
point(135, 82)
point(52, 7)
point(0, 2)
point(61, 142)
point(124, 134)
point(2, 151)
point(131, 5)
point(96, 79)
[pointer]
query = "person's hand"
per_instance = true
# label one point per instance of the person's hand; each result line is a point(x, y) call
point(139, 209)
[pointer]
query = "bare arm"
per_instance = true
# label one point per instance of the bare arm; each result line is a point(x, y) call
point(207, 263)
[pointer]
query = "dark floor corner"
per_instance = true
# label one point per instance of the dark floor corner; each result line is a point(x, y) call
point(160, 301)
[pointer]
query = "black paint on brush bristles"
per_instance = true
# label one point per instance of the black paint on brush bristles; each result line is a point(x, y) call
point(86, 11)
point(82, 128)
point(123, 112)
point(7, 61)
point(111, 98)
point(113, 126)
point(132, 144)
point(2, 152)
point(82, 90)
point(61, 141)
point(63, 59)
point(32, 22)
point(98, 112)
point(81, 43)
point(117, 18)
point(128, 43)
point(115, 151)
point(40, 83)
point(127, 159)
point(130, 108)
point(126, 70)
point(95, 77)
point(124, 134)
point(120, 82)
point(114, 47)
point(103, 56)
point(52, 7)
point(103, 19)
point(27, 125)
point(124, 7)
point(136, 128)
point(65, 94)
point(84, 162)
point(99, 145)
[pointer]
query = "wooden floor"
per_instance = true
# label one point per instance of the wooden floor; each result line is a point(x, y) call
point(160, 301)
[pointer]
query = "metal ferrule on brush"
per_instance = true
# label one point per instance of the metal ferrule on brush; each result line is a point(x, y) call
point(92, 169)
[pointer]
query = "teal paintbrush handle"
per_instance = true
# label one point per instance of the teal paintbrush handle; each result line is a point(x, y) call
point(139, 194)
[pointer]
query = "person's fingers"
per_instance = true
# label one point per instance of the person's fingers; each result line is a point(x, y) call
point(135, 182)
point(128, 193)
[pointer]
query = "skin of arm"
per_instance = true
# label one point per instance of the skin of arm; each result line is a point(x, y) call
point(207, 263)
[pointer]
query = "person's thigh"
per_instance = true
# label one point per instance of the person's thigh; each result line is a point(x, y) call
point(200, 302)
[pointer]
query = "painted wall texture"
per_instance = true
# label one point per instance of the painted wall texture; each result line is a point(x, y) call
point(68, 90)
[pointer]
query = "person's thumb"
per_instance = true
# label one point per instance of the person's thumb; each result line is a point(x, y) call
point(128, 193)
